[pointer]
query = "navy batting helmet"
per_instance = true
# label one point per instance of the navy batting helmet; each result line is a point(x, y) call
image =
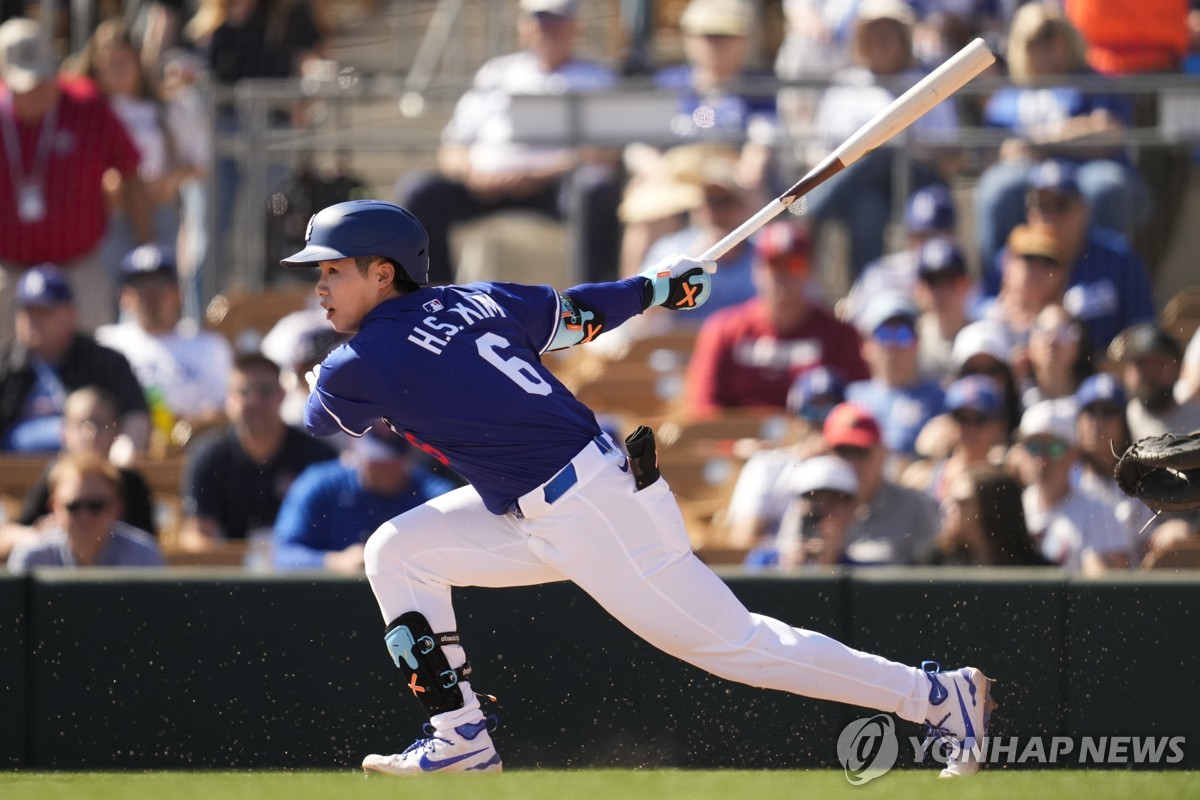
point(366, 228)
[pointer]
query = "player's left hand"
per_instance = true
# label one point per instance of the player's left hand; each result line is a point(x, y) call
point(679, 283)
point(311, 377)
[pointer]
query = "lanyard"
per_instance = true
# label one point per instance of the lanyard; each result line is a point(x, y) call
point(12, 146)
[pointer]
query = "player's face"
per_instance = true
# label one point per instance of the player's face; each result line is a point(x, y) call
point(346, 293)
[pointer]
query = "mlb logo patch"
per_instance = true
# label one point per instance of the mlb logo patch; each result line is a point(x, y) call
point(433, 306)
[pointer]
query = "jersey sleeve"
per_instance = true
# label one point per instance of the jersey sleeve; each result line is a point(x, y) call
point(344, 397)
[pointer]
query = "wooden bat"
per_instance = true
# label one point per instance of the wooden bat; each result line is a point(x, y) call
point(900, 113)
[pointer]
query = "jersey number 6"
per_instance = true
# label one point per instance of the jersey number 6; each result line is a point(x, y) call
point(518, 370)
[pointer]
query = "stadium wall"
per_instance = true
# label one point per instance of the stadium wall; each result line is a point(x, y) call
point(195, 670)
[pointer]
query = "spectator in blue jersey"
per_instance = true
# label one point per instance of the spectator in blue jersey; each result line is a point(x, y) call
point(1064, 121)
point(334, 506)
point(481, 169)
point(930, 214)
point(896, 394)
point(1107, 285)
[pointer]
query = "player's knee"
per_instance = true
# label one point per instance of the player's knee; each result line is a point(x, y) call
point(382, 547)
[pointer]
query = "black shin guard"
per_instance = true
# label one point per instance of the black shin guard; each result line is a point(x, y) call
point(417, 651)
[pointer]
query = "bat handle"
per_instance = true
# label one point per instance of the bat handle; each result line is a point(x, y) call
point(743, 231)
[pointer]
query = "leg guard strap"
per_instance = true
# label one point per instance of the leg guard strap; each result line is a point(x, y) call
point(417, 651)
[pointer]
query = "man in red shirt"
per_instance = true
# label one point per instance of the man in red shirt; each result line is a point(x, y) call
point(748, 356)
point(59, 138)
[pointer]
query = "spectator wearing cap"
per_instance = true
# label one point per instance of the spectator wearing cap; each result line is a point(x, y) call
point(297, 343)
point(482, 170)
point(49, 360)
point(930, 214)
point(1107, 285)
point(1058, 357)
point(979, 431)
point(748, 356)
point(821, 494)
point(983, 348)
point(1059, 121)
point(944, 292)
point(892, 523)
point(756, 506)
point(861, 196)
point(60, 138)
point(187, 368)
point(1102, 435)
point(1149, 359)
point(896, 393)
point(1071, 527)
point(333, 506)
point(1034, 277)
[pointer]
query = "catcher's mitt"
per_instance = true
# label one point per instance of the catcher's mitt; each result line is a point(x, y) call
point(1162, 471)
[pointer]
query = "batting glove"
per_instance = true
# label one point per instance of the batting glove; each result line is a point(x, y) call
point(678, 283)
point(311, 378)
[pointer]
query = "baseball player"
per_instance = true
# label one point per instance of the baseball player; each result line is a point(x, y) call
point(457, 370)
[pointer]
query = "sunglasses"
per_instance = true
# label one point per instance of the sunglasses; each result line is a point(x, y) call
point(91, 506)
point(1052, 450)
point(849, 452)
point(1107, 410)
point(895, 335)
point(1048, 205)
point(937, 280)
point(815, 413)
point(970, 418)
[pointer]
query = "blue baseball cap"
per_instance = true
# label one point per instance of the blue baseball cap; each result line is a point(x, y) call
point(886, 306)
point(148, 259)
point(1053, 175)
point(820, 381)
point(940, 255)
point(44, 286)
point(930, 209)
point(977, 393)
point(1100, 388)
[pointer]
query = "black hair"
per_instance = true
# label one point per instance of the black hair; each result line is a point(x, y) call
point(401, 282)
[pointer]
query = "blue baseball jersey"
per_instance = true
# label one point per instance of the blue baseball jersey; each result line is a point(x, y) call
point(457, 370)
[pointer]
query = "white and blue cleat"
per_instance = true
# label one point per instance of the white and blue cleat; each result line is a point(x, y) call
point(467, 748)
point(960, 708)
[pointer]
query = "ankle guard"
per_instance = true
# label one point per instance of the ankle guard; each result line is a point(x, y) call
point(417, 651)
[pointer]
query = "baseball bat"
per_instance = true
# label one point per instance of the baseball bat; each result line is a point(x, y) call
point(899, 114)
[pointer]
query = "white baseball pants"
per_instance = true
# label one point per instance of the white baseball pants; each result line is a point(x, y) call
point(630, 551)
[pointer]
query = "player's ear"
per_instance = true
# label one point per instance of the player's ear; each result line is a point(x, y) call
point(384, 272)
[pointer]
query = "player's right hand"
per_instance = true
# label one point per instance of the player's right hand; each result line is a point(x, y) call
point(679, 283)
point(311, 377)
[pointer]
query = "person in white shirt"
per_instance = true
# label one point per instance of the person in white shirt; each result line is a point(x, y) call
point(1071, 527)
point(1150, 361)
point(187, 369)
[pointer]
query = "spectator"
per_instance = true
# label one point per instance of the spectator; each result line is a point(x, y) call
point(820, 495)
point(252, 39)
point(49, 359)
point(1150, 362)
point(334, 506)
point(1102, 436)
point(892, 524)
point(1107, 284)
point(1034, 278)
point(90, 426)
point(60, 139)
point(930, 214)
point(482, 170)
point(861, 196)
point(983, 524)
point(748, 356)
point(1062, 121)
point(1187, 388)
point(757, 503)
point(173, 138)
point(298, 342)
point(1059, 357)
point(895, 393)
point(714, 107)
point(1071, 528)
point(235, 480)
point(943, 292)
point(983, 348)
point(182, 367)
point(975, 407)
point(85, 492)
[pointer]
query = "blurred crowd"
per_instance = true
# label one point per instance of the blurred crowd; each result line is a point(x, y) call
point(955, 380)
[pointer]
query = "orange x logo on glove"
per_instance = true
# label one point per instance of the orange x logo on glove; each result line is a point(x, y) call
point(412, 684)
point(592, 332)
point(689, 295)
